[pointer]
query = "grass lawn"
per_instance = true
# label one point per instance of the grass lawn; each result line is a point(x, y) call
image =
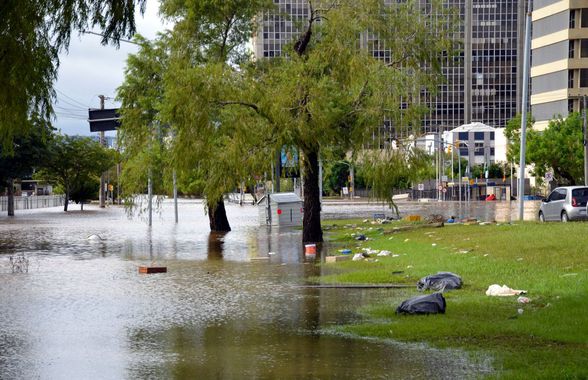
point(548, 340)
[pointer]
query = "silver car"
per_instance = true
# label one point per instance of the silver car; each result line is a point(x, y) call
point(565, 204)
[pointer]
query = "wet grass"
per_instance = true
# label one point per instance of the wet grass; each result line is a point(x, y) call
point(549, 339)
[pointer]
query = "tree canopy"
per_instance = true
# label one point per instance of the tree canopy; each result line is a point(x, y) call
point(32, 33)
point(73, 163)
point(558, 148)
point(331, 90)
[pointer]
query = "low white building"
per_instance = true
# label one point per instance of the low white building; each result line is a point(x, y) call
point(478, 143)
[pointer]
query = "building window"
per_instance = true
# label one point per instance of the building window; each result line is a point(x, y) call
point(572, 50)
point(478, 135)
point(583, 48)
point(584, 18)
point(571, 79)
point(583, 77)
point(463, 136)
point(573, 18)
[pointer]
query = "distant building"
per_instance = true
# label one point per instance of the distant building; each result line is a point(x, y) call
point(559, 72)
point(483, 84)
point(109, 141)
point(475, 142)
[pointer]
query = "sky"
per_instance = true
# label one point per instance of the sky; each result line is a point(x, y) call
point(90, 69)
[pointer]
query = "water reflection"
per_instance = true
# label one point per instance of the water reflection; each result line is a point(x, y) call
point(215, 245)
point(84, 311)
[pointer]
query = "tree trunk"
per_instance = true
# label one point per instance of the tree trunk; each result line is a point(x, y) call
point(217, 216)
point(66, 201)
point(82, 206)
point(10, 194)
point(312, 231)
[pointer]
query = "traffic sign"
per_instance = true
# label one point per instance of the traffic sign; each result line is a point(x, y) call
point(549, 176)
point(421, 186)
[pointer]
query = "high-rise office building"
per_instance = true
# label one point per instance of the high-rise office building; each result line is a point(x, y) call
point(483, 83)
point(559, 72)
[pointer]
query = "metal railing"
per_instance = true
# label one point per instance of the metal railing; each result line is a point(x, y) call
point(33, 201)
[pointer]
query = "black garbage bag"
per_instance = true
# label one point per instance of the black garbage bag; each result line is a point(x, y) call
point(427, 304)
point(440, 282)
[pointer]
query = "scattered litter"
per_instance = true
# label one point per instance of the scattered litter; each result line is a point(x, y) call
point(391, 237)
point(360, 237)
point(520, 259)
point(398, 272)
point(358, 257)
point(94, 238)
point(523, 300)
point(345, 251)
point(271, 253)
point(409, 266)
point(464, 251)
point(503, 291)
point(405, 240)
point(434, 244)
point(520, 311)
point(384, 253)
point(366, 221)
point(486, 255)
point(395, 255)
point(569, 274)
point(439, 282)
point(427, 304)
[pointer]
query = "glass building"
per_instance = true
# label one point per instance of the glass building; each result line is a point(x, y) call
point(482, 84)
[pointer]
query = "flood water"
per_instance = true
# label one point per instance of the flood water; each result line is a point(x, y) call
point(84, 312)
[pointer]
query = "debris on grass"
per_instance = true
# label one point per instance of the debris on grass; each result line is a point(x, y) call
point(358, 257)
point(427, 304)
point(440, 281)
point(503, 291)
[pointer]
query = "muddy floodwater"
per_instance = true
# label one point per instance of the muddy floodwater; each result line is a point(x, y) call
point(220, 312)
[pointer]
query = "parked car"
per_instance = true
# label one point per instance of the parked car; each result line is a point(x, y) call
point(565, 203)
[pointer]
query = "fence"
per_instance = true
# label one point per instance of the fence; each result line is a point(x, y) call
point(34, 201)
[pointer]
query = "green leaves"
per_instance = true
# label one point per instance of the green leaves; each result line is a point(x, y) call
point(31, 35)
point(559, 148)
point(73, 162)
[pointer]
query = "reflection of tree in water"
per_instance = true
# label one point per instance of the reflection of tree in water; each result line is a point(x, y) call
point(216, 241)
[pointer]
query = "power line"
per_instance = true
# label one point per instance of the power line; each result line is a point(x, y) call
point(72, 99)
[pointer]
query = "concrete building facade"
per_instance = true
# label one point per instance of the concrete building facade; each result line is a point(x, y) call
point(559, 72)
point(483, 84)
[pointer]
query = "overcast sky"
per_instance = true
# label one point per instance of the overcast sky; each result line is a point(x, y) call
point(90, 69)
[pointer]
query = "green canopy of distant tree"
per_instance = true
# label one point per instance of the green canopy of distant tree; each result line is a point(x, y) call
point(75, 164)
point(20, 160)
point(558, 148)
point(32, 33)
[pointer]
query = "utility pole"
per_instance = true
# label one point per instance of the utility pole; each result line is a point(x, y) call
point(277, 169)
point(175, 184)
point(526, 59)
point(585, 144)
point(102, 143)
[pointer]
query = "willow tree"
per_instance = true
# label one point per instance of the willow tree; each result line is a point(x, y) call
point(211, 139)
point(32, 33)
point(398, 168)
point(142, 135)
point(334, 87)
